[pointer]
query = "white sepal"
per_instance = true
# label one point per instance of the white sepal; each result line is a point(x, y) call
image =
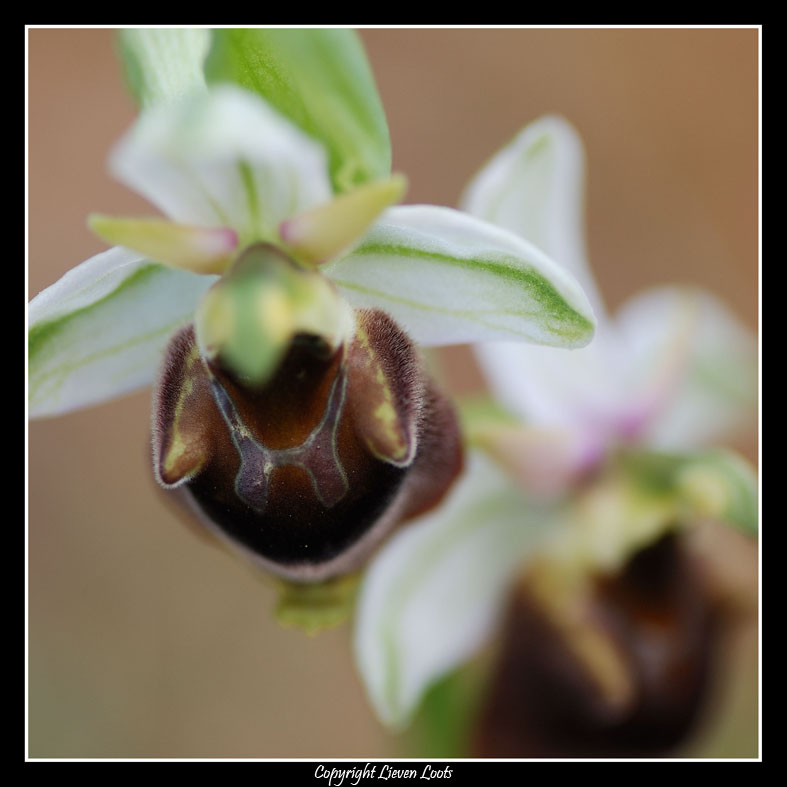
point(448, 278)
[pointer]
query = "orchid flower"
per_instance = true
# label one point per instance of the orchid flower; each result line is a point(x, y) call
point(280, 298)
point(586, 460)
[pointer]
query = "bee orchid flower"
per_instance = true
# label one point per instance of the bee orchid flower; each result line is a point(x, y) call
point(278, 303)
point(585, 478)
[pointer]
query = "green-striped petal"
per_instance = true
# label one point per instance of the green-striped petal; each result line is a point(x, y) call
point(448, 277)
point(100, 330)
point(535, 187)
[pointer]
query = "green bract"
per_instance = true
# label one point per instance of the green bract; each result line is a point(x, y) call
point(321, 81)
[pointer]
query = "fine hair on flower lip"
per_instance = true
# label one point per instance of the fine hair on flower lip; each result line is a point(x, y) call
point(193, 455)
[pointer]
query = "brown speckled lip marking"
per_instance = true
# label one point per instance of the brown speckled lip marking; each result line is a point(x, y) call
point(317, 455)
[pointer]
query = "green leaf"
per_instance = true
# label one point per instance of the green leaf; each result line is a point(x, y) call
point(447, 278)
point(163, 65)
point(101, 329)
point(321, 81)
point(434, 593)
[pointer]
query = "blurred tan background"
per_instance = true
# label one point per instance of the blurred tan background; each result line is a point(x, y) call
point(145, 641)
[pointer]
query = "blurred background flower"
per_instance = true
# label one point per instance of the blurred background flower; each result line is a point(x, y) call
point(143, 642)
point(585, 515)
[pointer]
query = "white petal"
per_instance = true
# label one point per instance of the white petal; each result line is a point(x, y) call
point(692, 367)
point(100, 331)
point(433, 595)
point(578, 390)
point(535, 187)
point(449, 278)
point(223, 157)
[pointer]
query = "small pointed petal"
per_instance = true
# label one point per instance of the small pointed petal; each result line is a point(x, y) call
point(198, 249)
point(333, 228)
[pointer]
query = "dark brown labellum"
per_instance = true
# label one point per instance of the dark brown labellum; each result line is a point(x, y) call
point(310, 471)
point(543, 703)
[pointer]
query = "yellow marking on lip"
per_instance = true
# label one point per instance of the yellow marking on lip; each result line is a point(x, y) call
point(181, 448)
point(387, 441)
point(386, 415)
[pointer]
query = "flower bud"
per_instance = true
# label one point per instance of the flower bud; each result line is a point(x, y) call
point(309, 469)
point(628, 681)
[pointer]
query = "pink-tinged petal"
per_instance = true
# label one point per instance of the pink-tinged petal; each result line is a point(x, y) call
point(197, 249)
point(691, 369)
point(578, 391)
point(330, 229)
point(545, 463)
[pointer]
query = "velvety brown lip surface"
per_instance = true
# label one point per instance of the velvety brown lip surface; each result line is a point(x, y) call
point(300, 470)
point(543, 704)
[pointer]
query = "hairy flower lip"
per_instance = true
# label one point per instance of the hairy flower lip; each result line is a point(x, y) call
point(307, 474)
